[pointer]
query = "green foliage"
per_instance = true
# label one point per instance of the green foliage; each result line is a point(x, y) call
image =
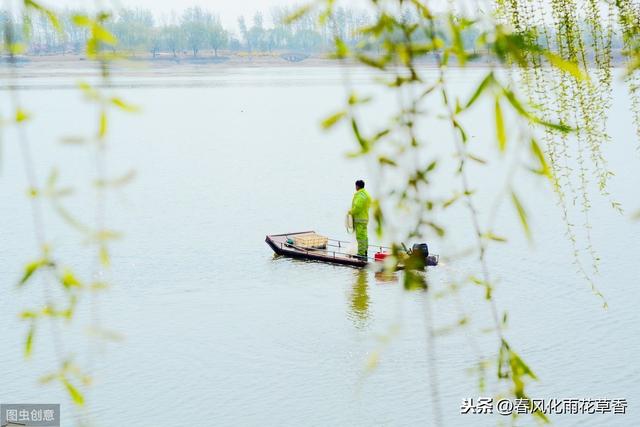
point(398, 40)
point(76, 395)
point(629, 22)
point(132, 28)
point(489, 235)
point(66, 375)
point(512, 367)
point(51, 15)
point(577, 90)
point(522, 214)
point(569, 67)
point(406, 35)
point(48, 266)
point(485, 284)
point(500, 131)
point(297, 14)
point(69, 280)
point(543, 168)
point(31, 268)
point(194, 24)
point(124, 106)
point(28, 345)
point(330, 121)
point(21, 115)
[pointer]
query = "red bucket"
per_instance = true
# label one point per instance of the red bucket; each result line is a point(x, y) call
point(380, 256)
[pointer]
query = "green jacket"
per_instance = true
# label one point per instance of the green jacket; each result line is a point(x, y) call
point(360, 206)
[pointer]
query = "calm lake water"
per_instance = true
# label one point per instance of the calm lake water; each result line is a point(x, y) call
point(219, 332)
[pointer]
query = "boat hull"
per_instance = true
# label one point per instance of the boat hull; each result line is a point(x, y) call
point(278, 242)
point(334, 253)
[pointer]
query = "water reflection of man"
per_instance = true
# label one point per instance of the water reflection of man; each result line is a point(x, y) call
point(359, 299)
point(360, 213)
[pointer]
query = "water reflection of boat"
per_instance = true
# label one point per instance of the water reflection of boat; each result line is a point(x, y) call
point(332, 250)
point(386, 277)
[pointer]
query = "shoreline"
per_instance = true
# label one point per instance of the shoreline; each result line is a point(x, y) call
point(165, 65)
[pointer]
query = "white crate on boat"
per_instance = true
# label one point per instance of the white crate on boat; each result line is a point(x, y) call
point(310, 240)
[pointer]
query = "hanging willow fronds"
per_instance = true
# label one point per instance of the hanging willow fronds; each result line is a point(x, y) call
point(580, 32)
point(629, 22)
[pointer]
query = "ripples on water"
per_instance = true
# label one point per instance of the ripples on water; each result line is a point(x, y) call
point(220, 332)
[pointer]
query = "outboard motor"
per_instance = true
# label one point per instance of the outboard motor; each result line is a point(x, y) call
point(421, 247)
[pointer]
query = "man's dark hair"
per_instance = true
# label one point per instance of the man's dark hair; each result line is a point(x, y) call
point(359, 184)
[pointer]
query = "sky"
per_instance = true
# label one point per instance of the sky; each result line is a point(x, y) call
point(228, 10)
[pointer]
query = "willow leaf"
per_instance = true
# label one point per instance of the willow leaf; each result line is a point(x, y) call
point(485, 83)
point(383, 160)
point(500, 131)
point(102, 130)
point(476, 159)
point(28, 345)
point(522, 214)
point(74, 393)
point(124, 106)
point(297, 14)
point(82, 20)
point(21, 115)
point(566, 66)
point(53, 18)
point(30, 269)
point(342, 50)
point(496, 238)
point(544, 166)
point(69, 280)
point(116, 182)
point(103, 35)
point(333, 119)
point(424, 10)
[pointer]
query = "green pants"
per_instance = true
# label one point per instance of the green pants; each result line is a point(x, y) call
point(361, 237)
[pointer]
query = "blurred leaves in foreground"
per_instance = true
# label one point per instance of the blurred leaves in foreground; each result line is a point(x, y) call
point(532, 62)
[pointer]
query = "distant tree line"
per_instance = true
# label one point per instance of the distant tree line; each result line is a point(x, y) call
point(196, 31)
point(191, 32)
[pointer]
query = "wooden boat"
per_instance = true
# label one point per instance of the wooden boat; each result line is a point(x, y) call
point(335, 251)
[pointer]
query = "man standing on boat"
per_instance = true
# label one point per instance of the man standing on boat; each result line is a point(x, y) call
point(360, 212)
